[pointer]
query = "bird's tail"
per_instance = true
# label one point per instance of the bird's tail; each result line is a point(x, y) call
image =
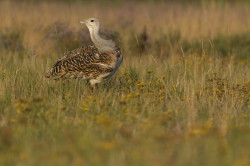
point(48, 74)
point(54, 75)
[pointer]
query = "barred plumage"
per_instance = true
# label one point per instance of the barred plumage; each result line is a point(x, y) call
point(85, 62)
point(92, 62)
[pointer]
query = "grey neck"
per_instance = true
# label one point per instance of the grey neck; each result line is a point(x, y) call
point(101, 44)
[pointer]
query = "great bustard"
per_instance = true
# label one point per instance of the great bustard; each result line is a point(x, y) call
point(93, 62)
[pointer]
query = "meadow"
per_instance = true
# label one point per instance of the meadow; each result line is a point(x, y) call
point(181, 96)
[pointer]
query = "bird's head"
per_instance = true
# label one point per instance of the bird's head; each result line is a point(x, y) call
point(91, 23)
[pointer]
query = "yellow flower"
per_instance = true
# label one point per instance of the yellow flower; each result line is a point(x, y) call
point(139, 83)
point(19, 111)
point(197, 132)
point(244, 115)
point(224, 116)
point(13, 120)
point(104, 121)
point(129, 81)
point(108, 145)
point(162, 92)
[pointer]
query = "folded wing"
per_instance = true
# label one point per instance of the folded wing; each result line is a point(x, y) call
point(84, 62)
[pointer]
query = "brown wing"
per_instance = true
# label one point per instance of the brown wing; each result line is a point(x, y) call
point(84, 62)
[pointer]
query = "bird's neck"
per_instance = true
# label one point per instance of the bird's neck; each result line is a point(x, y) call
point(101, 44)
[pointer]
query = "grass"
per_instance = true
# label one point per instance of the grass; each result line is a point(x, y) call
point(181, 96)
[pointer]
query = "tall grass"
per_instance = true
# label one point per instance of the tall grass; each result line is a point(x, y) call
point(181, 96)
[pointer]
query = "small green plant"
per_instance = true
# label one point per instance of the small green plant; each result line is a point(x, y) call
point(11, 40)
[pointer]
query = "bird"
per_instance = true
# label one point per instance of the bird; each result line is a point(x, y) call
point(93, 62)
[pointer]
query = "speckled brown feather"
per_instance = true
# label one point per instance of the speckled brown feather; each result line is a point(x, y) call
point(85, 62)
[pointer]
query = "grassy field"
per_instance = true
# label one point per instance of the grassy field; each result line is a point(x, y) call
point(181, 96)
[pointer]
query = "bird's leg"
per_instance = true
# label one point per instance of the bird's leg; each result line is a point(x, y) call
point(93, 83)
point(93, 87)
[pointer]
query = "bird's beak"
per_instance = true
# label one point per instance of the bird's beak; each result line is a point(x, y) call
point(82, 22)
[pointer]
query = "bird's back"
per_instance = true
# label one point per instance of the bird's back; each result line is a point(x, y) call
point(84, 62)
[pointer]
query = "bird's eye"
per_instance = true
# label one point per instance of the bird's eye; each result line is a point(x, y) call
point(91, 20)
